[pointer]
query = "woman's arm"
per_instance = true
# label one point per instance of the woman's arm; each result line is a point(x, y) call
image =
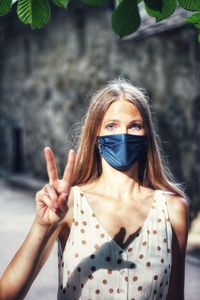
point(178, 212)
point(52, 209)
point(27, 262)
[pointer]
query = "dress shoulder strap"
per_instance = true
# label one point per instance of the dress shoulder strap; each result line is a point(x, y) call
point(161, 199)
point(77, 202)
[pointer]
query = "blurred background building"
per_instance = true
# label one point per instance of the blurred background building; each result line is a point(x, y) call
point(46, 76)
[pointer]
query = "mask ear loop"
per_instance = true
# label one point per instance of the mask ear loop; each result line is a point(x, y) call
point(98, 145)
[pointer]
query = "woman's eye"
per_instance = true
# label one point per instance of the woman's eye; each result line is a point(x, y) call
point(110, 126)
point(136, 126)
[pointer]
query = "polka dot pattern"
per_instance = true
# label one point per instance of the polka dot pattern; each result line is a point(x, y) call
point(135, 278)
point(98, 268)
point(119, 261)
point(148, 264)
point(108, 258)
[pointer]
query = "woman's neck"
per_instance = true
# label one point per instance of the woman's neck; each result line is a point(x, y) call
point(119, 184)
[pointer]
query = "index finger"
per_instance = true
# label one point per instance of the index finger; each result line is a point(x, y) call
point(51, 165)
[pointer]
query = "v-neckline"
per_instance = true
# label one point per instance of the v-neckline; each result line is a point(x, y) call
point(139, 230)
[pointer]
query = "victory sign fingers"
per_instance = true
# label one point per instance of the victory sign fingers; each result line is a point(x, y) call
point(61, 185)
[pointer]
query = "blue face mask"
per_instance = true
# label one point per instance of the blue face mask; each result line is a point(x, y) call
point(121, 151)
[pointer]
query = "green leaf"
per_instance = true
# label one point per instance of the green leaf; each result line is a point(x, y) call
point(154, 4)
point(168, 8)
point(199, 37)
point(126, 18)
point(192, 5)
point(94, 2)
point(194, 19)
point(61, 3)
point(34, 12)
point(5, 7)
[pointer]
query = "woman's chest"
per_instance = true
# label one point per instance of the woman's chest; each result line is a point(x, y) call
point(120, 220)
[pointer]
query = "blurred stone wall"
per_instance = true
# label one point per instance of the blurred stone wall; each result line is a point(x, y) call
point(46, 75)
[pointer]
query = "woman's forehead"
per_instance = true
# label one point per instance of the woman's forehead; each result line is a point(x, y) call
point(122, 108)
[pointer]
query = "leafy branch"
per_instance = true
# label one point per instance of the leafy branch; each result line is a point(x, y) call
point(125, 17)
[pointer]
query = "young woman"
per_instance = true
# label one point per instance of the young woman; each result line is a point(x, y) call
point(120, 220)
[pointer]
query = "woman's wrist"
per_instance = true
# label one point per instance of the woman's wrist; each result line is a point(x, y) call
point(43, 229)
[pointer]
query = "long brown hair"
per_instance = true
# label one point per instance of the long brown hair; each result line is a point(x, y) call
point(153, 170)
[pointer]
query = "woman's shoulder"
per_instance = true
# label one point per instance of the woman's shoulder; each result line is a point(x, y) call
point(175, 203)
point(178, 214)
point(88, 189)
point(84, 187)
point(177, 208)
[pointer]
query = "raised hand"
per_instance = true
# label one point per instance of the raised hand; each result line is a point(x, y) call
point(51, 200)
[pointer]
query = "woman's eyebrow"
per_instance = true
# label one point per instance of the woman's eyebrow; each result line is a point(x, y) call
point(136, 120)
point(118, 120)
point(112, 120)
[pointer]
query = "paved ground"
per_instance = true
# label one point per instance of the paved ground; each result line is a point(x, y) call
point(16, 216)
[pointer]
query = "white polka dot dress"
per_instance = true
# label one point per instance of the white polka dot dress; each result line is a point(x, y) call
point(93, 266)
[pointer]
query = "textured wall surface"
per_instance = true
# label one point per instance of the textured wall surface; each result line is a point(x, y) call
point(46, 75)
